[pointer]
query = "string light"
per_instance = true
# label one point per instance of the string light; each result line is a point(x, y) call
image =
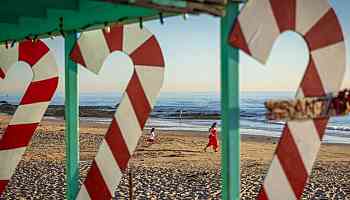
point(185, 16)
point(13, 43)
point(50, 35)
point(62, 33)
point(107, 28)
point(161, 18)
point(61, 27)
point(141, 23)
point(35, 39)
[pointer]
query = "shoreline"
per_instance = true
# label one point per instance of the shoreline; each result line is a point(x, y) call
point(59, 122)
point(108, 111)
point(195, 132)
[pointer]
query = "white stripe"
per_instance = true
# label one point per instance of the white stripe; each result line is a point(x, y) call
point(259, 28)
point(133, 37)
point(307, 140)
point(128, 123)
point(45, 68)
point(83, 193)
point(8, 57)
point(108, 167)
point(30, 113)
point(299, 94)
point(94, 49)
point(308, 13)
point(276, 184)
point(9, 160)
point(331, 64)
point(151, 79)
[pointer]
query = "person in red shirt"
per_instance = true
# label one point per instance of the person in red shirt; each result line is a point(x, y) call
point(213, 138)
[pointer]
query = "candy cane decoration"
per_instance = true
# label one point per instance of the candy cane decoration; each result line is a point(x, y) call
point(317, 22)
point(136, 104)
point(33, 105)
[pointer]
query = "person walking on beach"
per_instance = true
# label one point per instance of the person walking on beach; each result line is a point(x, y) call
point(213, 138)
point(152, 136)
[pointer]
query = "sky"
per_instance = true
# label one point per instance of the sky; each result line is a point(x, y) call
point(192, 56)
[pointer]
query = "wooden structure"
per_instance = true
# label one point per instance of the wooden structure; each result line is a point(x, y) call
point(23, 19)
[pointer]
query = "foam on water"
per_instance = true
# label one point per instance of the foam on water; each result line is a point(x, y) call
point(196, 107)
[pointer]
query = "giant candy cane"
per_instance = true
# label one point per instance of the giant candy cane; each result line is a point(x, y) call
point(317, 22)
point(136, 104)
point(33, 104)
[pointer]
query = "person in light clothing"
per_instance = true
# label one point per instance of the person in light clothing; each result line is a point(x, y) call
point(152, 136)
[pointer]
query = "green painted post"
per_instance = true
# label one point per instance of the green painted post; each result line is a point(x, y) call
point(71, 119)
point(230, 135)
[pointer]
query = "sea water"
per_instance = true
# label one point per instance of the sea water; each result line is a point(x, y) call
point(197, 111)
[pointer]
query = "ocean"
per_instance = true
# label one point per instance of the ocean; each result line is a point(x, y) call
point(197, 111)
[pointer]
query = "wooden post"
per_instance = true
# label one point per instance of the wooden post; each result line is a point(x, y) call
point(71, 119)
point(230, 135)
point(130, 184)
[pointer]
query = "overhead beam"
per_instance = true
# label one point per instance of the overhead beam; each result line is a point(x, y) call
point(89, 15)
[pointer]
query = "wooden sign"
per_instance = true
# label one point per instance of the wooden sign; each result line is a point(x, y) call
point(309, 107)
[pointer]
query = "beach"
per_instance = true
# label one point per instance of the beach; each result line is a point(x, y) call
point(174, 167)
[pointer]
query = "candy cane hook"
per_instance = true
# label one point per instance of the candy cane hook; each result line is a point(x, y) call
point(33, 105)
point(137, 102)
point(317, 22)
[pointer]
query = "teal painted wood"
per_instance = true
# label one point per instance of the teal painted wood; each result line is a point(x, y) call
point(230, 134)
point(71, 119)
point(88, 14)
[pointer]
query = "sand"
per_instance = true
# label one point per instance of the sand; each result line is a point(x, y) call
point(175, 167)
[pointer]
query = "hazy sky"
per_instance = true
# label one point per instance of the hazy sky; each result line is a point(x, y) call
point(191, 50)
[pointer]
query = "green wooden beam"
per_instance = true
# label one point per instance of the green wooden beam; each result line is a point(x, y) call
point(71, 120)
point(88, 15)
point(230, 134)
point(11, 12)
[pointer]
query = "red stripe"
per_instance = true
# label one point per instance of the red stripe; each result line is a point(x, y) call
point(325, 32)
point(95, 184)
point(237, 38)
point(31, 52)
point(76, 55)
point(40, 91)
point(3, 184)
point(311, 83)
point(291, 162)
point(114, 38)
point(285, 14)
point(149, 53)
point(321, 125)
point(138, 100)
point(117, 145)
point(2, 74)
point(262, 195)
point(17, 136)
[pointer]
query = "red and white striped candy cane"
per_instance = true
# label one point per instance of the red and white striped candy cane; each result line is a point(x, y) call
point(136, 104)
point(317, 22)
point(33, 105)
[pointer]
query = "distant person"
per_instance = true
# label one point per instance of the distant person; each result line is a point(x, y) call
point(152, 136)
point(213, 138)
